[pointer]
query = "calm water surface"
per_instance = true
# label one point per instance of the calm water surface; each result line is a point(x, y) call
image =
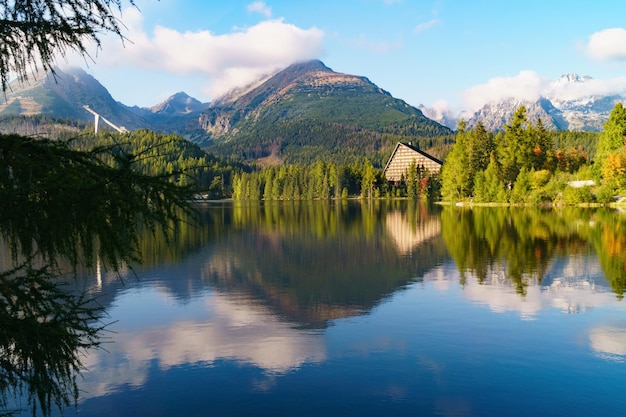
point(368, 310)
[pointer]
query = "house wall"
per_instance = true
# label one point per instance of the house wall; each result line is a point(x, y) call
point(401, 160)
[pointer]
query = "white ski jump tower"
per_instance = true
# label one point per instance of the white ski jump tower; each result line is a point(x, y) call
point(97, 121)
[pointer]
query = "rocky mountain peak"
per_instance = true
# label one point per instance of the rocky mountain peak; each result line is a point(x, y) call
point(314, 74)
point(308, 66)
point(179, 103)
point(573, 78)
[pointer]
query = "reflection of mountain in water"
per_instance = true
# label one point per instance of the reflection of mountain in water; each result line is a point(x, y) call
point(307, 263)
point(311, 278)
point(268, 277)
point(572, 284)
point(573, 280)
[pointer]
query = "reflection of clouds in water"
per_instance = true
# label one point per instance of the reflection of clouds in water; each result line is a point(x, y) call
point(238, 331)
point(609, 342)
point(572, 288)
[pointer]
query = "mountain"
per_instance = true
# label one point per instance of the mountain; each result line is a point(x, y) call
point(444, 118)
point(177, 114)
point(568, 103)
point(495, 116)
point(63, 95)
point(304, 112)
point(179, 104)
point(580, 108)
point(309, 111)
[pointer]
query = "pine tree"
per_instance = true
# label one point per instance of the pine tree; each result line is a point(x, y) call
point(455, 174)
point(611, 139)
point(35, 32)
point(514, 149)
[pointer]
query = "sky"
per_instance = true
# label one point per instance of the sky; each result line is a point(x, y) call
point(448, 55)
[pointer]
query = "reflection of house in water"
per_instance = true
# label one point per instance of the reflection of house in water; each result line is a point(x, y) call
point(403, 156)
point(406, 236)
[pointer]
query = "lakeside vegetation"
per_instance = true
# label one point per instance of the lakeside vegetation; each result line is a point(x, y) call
point(164, 155)
point(523, 165)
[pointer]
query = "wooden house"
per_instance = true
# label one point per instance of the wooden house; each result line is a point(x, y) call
point(402, 157)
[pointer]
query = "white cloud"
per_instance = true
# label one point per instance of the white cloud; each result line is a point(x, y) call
point(609, 342)
point(527, 85)
point(592, 87)
point(231, 329)
point(608, 45)
point(260, 7)
point(427, 25)
point(226, 60)
point(441, 109)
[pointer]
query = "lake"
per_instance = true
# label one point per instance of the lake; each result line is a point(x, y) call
point(367, 309)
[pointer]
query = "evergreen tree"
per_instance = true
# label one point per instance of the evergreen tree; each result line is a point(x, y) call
point(59, 204)
point(455, 174)
point(494, 189)
point(34, 32)
point(611, 139)
point(368, 180)
point(542, 146)
point(515, 149)
point(412, 181)
point(480, 146)
point(522, 187)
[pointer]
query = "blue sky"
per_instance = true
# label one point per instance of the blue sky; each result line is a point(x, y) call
point(443, 53)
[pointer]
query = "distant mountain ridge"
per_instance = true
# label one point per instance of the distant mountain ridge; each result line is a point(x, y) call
point(564, 105)
point(177, 114)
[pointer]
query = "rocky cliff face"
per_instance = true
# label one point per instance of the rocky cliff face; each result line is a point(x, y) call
point(495, 116)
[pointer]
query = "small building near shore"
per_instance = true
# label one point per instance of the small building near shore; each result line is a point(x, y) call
point(401, 158)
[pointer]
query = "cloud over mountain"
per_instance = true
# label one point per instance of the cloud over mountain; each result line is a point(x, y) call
point(526, 85)
point(225, 60)
point(530, 86)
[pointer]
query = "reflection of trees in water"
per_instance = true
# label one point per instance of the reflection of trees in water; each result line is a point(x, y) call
point(317, 261)
point(45, 332)
point(609, 239)
point(523, 241)
point(60, 209)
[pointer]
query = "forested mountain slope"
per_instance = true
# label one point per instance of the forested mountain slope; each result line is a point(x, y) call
point(307, 112)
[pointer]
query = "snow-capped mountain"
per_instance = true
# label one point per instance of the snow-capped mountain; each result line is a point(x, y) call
point(573, 102)
point(581, 104)
point(495, 116)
